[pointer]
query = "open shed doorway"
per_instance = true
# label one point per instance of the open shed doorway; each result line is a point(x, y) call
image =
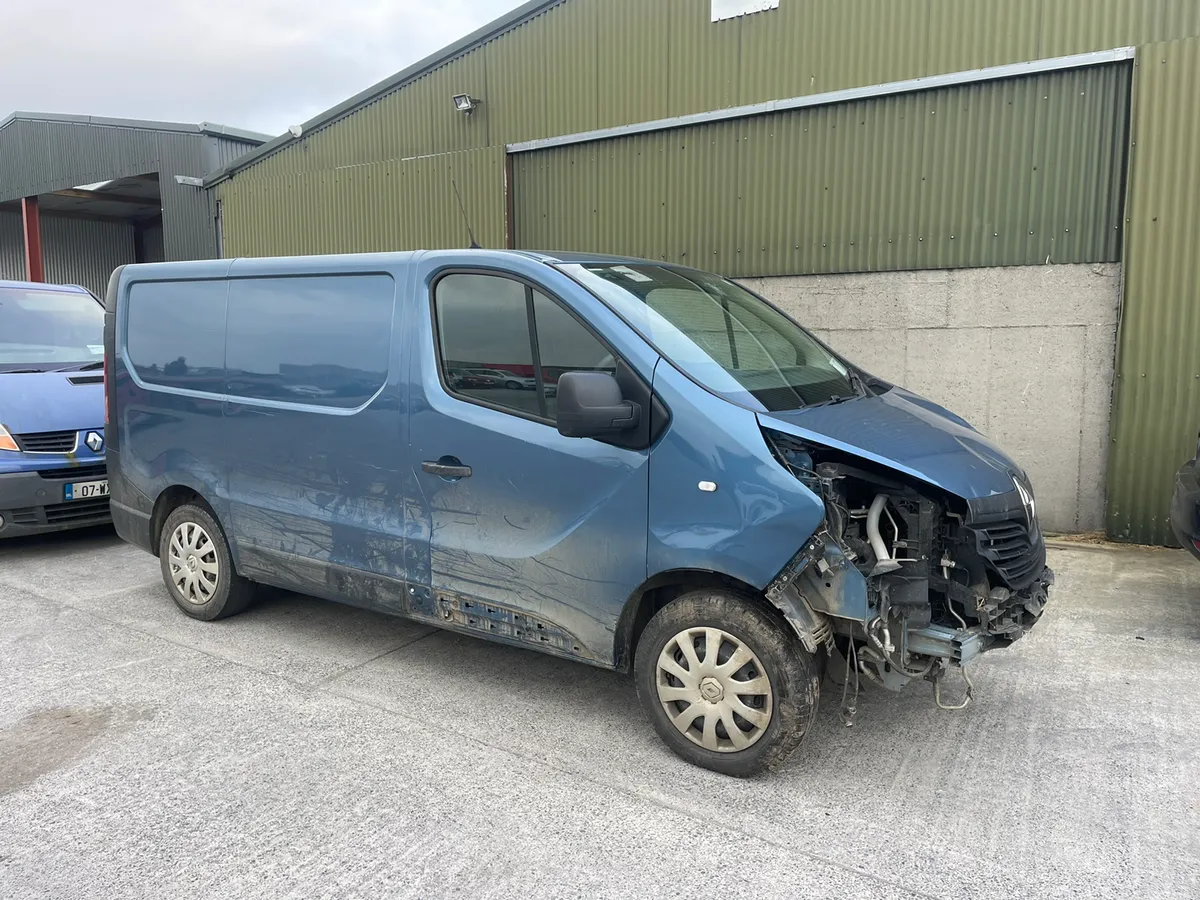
point(135, 201)
point(86, 231)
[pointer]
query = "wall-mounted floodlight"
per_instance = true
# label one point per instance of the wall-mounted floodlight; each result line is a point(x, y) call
point(189, 180)
point(295, 130)
point(465, 103)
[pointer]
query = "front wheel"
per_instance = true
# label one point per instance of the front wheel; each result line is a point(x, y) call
point(726, 684)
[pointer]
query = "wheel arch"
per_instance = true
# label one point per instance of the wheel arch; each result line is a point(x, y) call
point(169, 500)
point(659, 590)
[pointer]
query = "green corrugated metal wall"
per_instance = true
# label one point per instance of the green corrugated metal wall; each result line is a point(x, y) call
point(587, 64)
point(1014, 172)
point(395, 205)
point(1157, 405)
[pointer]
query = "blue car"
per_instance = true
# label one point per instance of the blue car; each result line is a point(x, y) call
point(52, 469)
point(711, 498)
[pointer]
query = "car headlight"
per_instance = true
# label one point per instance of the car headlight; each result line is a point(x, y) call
point(7, 442)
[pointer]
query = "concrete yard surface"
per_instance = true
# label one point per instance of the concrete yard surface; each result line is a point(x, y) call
point(306, 749)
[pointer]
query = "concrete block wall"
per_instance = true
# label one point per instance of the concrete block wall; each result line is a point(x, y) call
point(1025, 354)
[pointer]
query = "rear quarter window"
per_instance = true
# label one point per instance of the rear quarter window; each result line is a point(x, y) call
point(320, 340)
point(175, 333)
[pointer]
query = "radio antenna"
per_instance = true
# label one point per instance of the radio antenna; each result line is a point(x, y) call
point(462, 209)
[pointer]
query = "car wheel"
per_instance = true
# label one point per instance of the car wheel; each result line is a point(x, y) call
point(726, 684)
point(197, 567)
point(513, 385)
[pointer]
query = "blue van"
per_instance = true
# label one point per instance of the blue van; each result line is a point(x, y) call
point(679, 481)
point(52, 473)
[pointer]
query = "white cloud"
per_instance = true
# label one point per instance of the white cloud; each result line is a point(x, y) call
point(258, 64)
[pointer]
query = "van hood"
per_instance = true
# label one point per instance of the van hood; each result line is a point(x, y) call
point(47, 401)
point(909, 434)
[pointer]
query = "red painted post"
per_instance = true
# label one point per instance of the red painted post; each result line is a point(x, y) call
point(34, 270)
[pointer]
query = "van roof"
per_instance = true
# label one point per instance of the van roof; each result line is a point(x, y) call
point(565, 256)
point(42, 286)
point(220, 267)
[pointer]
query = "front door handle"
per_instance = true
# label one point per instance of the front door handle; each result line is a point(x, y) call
point(446, 467)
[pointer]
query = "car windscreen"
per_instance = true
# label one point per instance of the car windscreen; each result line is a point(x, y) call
point(721, 335)
point(42, 330)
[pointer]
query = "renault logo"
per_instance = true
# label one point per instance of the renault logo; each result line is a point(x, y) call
point(1027, 501)
point(94, 441)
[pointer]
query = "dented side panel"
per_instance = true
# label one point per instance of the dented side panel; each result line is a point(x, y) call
point(316, 492)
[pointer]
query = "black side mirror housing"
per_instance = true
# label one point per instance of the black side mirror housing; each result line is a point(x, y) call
point(590, 405)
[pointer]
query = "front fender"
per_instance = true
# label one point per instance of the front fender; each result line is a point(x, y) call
point(755, 519)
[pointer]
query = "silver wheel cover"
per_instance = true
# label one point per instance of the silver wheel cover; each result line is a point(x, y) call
point(193, 563)
point(714, 689)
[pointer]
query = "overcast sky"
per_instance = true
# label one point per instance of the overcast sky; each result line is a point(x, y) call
point(257, 64)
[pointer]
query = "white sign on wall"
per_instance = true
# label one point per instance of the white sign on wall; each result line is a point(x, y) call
point(730, 9)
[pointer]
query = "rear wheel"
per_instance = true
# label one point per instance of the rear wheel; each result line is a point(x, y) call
point(197, 566)
point(726, 685)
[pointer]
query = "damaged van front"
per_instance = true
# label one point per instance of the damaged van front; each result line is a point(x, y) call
point(928, 551)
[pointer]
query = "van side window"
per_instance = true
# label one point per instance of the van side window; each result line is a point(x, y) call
point(322, 340)
point(176, 333)
point(487, 354)
point(485, 346)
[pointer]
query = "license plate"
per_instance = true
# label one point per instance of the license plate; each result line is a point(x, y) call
point(85, 490)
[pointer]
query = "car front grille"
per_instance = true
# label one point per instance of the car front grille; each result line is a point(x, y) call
point(47, 441)
point(1015, 553)
point(80, 512)
point(76, 473)
point(27, 516)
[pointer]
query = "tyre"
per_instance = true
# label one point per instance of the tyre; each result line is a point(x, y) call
point(726, 684)
point(513, 385)
point(197, 567)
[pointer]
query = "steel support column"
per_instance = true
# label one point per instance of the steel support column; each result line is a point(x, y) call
point(34, 269)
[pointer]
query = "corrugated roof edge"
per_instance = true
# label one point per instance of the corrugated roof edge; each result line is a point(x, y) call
point(209, 128)
point(493, 29)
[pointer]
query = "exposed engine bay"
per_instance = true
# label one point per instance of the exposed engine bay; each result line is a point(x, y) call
point(906, 581)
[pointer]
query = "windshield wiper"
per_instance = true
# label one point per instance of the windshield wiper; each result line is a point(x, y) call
point(86, 367)
point(23, 372)
point(859, 383)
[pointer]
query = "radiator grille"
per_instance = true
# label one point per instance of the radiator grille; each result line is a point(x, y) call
point(47, 441)
point(1013, 552)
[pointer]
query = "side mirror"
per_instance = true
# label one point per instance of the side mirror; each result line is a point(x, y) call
point(590, 405)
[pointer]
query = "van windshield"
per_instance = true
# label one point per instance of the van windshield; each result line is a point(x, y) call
point(724, 337)
point(43, 330)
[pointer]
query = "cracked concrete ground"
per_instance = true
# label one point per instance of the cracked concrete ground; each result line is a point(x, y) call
point(306, 749)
